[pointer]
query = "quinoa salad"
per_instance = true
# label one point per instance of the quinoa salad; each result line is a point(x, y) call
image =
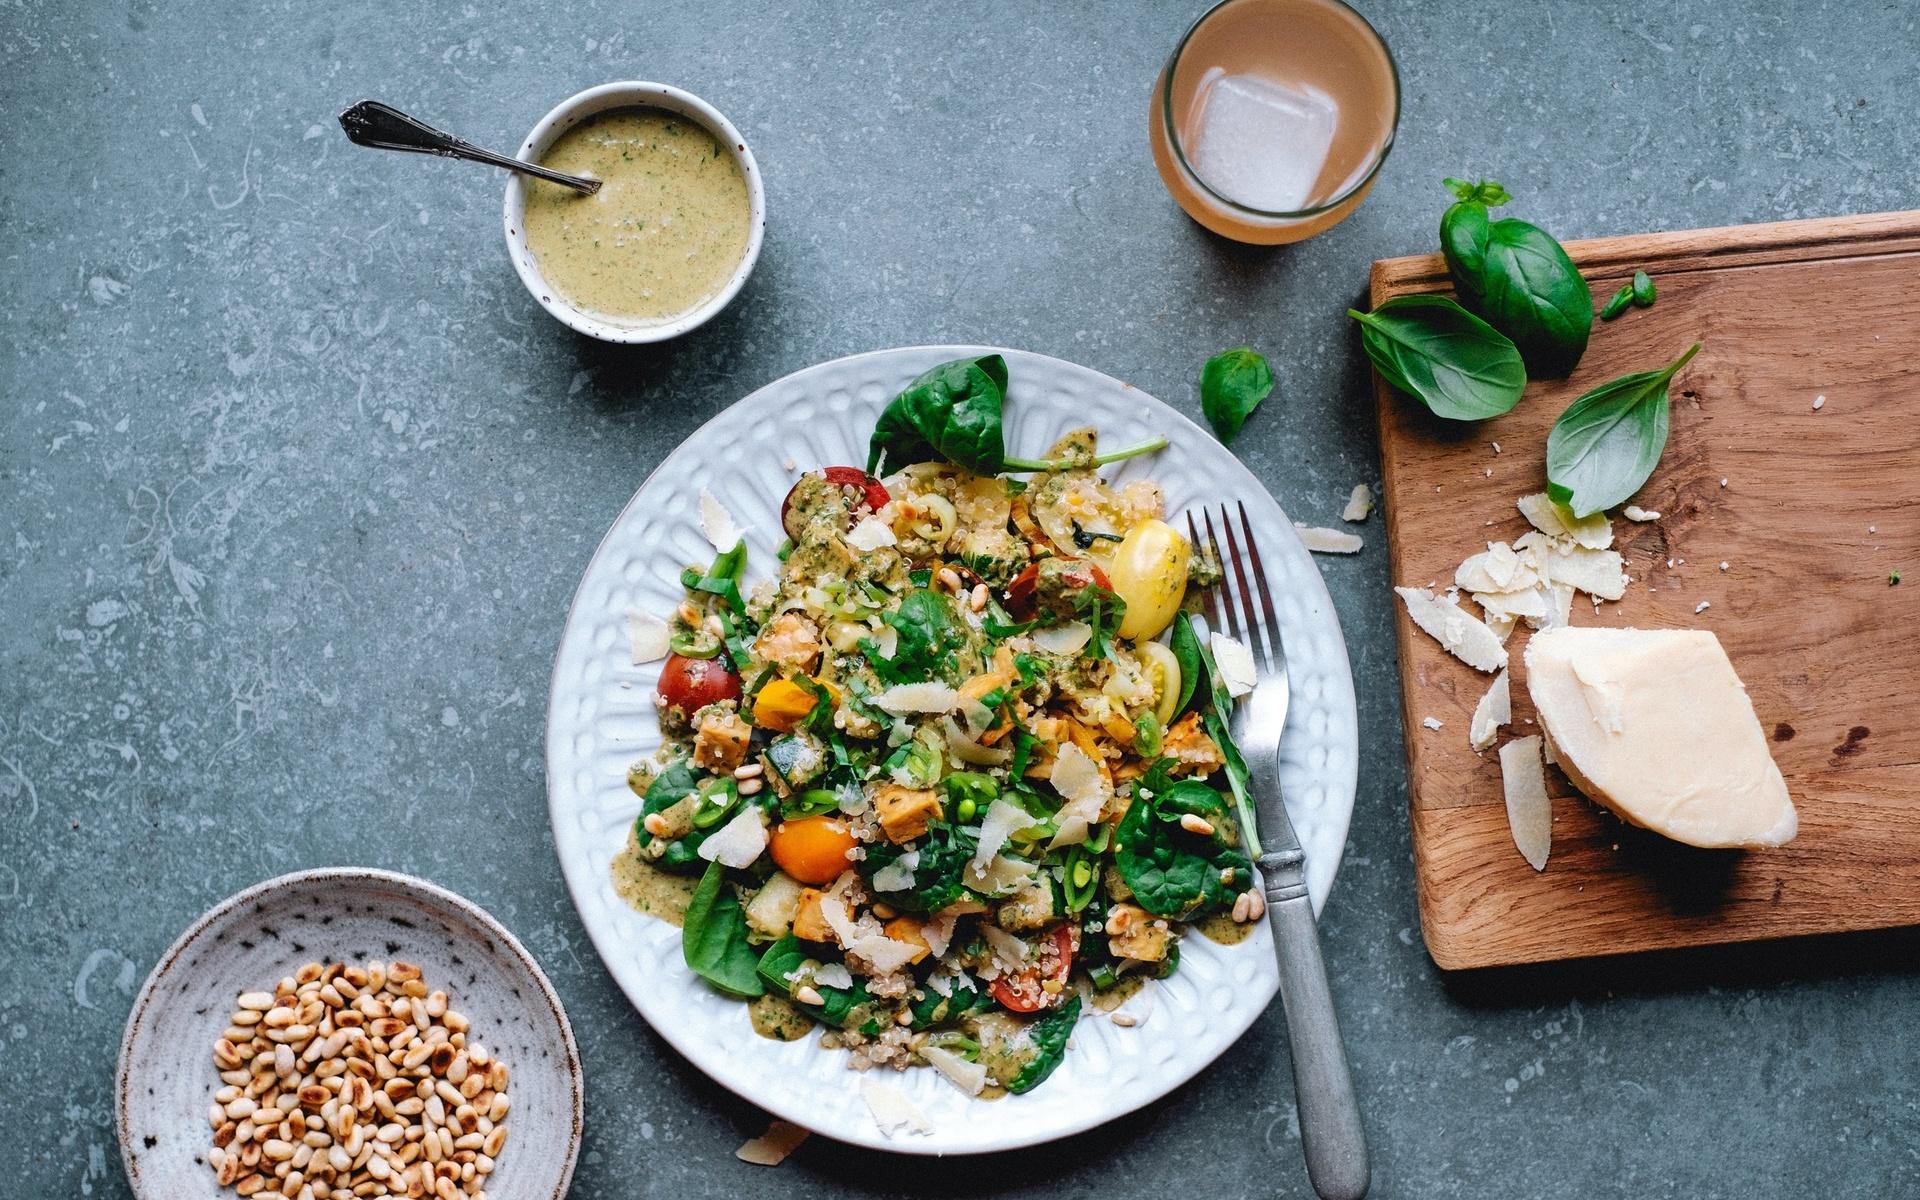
point(957, 770)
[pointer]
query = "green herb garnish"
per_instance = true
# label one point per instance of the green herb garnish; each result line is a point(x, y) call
point(1517, 277)
point(1232, 385)
point(1457, 365)
point(713, 938)
point(1606, 444)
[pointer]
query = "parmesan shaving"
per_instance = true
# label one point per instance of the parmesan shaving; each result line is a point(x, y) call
point(1593, 532)
point(971, 752)
point(1494, 710)
point(1328, 541)
point(1077, 778)
point(648, 637)
point(1595, 572)
point(1529, 603)
point(892, 1110)
point(897, 876)
point(1003, 818)
point(969, 1077)
point(1463, 637)
point(771, 1148)
point(833, 975)
point(1359, 504)
point(870, 534)
point(1498, 569)
point(1008, 949)
point(903, 698)
point(1529, 811)
point(1001, 876)
point(1237, 672)
point(717, 524)
point(1063, 639)
point(739, 842)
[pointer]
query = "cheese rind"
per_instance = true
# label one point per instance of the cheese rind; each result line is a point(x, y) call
point(1655, 725)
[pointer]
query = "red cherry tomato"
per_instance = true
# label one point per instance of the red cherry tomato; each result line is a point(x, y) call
point(690, 684)
point(1023, 993)
point(1029, 592)
point(874, 491)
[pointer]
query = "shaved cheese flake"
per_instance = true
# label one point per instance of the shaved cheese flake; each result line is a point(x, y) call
point(897, 876)
point(1594, 532)
point(884, 954)
point(771, 1148)
point(833, 910)
point(1633, 512)
point(892, 1110)
point(1003, 819)
point(1077, 778)
point(1063, 639)
point(969, 1077)
point(1559, 608)
point(1502, 626)
point(969, 751)
point(1494, 710)
point(1008, 949)
point(833, 975)
point(1529, 811)
point(737, 843)
point(648, 637)
point(870, 534)
point(1463, 637)
point(717, 524)
point(1001, 877)
point(1499, 568)
point(931, 697)
point(1237, 672)
point(1328, 541)
point(938, 934)
point(1359, 504)
point(1595, 572)
point(1530, 603)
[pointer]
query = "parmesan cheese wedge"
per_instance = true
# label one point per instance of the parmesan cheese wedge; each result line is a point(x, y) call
point(1593, 532)
point(1529, 811)
point(1655, 725)
point(1494, 710)
point(1466, 639)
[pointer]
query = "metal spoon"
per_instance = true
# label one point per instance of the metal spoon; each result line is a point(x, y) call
point(384, 127)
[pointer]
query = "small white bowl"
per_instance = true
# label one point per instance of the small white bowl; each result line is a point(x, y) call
point(248, 941)
point(577, 108)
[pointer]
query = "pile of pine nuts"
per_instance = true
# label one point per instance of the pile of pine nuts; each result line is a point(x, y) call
point(350, 1082)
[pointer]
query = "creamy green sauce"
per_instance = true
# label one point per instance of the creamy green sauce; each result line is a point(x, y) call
point(647, 888)
point(664, 232)
point(1221, 928)
point(778, 1018)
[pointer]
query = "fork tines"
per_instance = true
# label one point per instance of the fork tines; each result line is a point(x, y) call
point(1259, 629)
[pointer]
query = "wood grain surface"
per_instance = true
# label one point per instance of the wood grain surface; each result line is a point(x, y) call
point(1809, 510)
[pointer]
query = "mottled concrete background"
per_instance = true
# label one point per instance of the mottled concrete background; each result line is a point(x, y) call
point(296, 481)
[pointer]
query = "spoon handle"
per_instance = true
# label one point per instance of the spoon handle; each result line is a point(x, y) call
point(384, 127)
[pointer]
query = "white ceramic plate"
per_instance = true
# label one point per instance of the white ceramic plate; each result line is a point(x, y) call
point(600, 718)
point(167, 1076)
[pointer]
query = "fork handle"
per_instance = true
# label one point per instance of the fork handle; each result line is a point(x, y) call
point(1334, 1142)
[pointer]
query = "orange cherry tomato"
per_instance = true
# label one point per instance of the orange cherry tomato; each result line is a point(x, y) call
point(812, 849)
point(1023, 993)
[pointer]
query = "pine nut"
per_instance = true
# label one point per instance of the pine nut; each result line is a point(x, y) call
point(978, 600)
point(1124, 1020)
point(255, 1001)
point(749, 787)
point(949, 579)
point(1240, 905)
point(747, 770)
point(807, 995)
point(1197, 825)
point(1256, 905)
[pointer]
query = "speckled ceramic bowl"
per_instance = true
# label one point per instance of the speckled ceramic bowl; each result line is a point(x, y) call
point(249, 941)
point(590, 103)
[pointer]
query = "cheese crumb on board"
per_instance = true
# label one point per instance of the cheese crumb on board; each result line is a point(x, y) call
point(1433, 722)
point(1529, 810)
point(648, 638)
point(1359, 503)
point(771, 1148)
point(1594, 532)
point(1494, 710)
point(1460, 634)
point(1328, 541)
point(1819, 402)
point(1655, 725)
point(1633, 512)
point(1724, 566)
point(892, 1109)
point(1703, 606)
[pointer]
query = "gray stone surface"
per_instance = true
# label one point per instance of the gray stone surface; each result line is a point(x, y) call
point(295, 483)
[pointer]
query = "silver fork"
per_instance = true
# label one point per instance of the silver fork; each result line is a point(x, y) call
point(1334, 1142)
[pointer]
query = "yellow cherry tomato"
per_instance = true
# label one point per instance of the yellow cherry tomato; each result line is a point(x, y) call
point(812, 849)
point(1149, 572)
point(1163, 672)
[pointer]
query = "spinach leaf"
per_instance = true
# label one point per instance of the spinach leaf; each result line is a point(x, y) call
point(1232, 385)
point(1049, 1035)
point(1174, 873)
point(1457, 365)
point(934, 1009)
point(838, 1007)
point(1186, 652)
point(938, 878)
point(950, 412)
point(669, 787)
point(1517, 277)
point(1217, 719)
point(927, 632)
point(713, 939)
point(954, 412)
point(1608, 441)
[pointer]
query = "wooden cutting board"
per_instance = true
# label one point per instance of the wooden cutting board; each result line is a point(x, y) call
point(1808, 510)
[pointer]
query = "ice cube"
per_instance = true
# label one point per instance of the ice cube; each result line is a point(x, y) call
point(1263, 144)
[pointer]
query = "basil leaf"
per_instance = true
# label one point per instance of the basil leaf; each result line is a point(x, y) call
point(1485, 191)
point(951, 412)
point(713, 939)
point(1608, 441)
point(1619, 303)
point(1049, 1036)
point(1643, 289)
point(1457, 365)
point(1232, 385)
point(1520, 279)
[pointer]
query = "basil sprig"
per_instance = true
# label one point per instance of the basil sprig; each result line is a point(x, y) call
point(1232, 385)
point(1443, 356)
point(1606, 444)
point(1517, 277)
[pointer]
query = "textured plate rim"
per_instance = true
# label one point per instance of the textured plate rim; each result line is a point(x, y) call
point(1342, 783)
point(172, 955)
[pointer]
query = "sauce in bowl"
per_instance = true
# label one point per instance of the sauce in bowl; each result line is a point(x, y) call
point(664, 233)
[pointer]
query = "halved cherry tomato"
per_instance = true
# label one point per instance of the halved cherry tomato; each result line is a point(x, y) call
point(1049, 584)
point(812, 849)
point(690, 684)
point(1023, 993)
point(873, 490)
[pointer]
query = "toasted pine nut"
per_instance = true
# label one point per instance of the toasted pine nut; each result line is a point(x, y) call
point(1124, 1020)
point(949, 579)
point(1256, 905)
point(748, 770)
point(1240, 903)
point(1196, 824)
point(749, 787)
point(978, 600)
point(805, 994)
